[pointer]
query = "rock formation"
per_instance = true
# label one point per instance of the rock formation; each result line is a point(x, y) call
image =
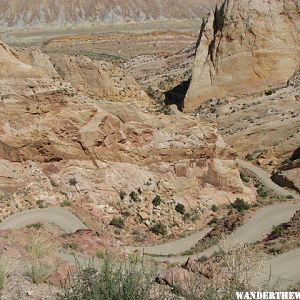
point(264, 127)
point(288, 174)
point(57, 144)
point(245, 47)
point(99, 79)
point(20, 13)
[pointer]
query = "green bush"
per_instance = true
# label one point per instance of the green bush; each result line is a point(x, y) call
point(40, 203)
point(180, 208)
point(159, 229)
point(240, 205)
point(36, 226)
point(249, 157)
point(117, 222)
point(244, 177)
point(262, 192)
point(39, 272)
point(66, 203)
point(110, 281)
point(156, 201)
point(214, 208)
point(278, 231)
point(134, 196)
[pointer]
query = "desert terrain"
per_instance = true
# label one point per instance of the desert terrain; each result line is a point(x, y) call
point(149, 150)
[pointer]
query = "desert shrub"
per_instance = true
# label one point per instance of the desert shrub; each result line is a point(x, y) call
point(214, 220)
point(110, 281)
point(262, 192)
point(66, 203)
point(278, 230)
point(40, 203)
point(39, 271)
point(39, 268)
point(214, 208)
point(249, 157)
point(36, 226)
point(72, 246)
point(244, 177)
point(236, 273)
point(159, 228)
point(289, 197)
point(101, 254)
point(270, 92)
point(122, 195)
point(240, 205)
point(134, 196)
point(72, 181)
point(117, 222)
point(156, 201)
point(180, 208)
point(39, 247)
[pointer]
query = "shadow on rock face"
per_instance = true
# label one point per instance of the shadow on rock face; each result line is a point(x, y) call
point(177, 94)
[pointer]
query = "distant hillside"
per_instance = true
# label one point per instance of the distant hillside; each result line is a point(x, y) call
point(22, 13)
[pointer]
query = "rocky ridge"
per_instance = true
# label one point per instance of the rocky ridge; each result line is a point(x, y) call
point(61, 147)
point(15, 13)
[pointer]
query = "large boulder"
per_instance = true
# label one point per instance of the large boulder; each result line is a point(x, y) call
point(178, 278)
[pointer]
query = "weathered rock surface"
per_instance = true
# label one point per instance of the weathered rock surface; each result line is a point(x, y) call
point(166, 78)
point(59, 145)
point(21, 13)
point(99, 79)
point(178, 278)
point(289, 175)
point(264, 126)
point(245, 47)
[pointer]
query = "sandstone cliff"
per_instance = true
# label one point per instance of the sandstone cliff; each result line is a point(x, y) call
point(58, 144)
point(245, 47)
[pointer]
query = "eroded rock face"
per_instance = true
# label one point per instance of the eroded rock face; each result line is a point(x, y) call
point(58, 144)
point(245, 47)
point(22, 13)
point(289, 175)
point(99, 79)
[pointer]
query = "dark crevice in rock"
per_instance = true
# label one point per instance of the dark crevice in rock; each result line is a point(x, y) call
point(177, 94)
point(296, 154)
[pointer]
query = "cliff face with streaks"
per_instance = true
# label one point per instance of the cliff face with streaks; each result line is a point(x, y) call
point(245, 47)
point(22, 13)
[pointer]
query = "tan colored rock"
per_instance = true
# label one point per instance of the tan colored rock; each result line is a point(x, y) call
point(178, 278)
point(245, 47)
point(99, 79)
point(144, 216)
point(50, 139)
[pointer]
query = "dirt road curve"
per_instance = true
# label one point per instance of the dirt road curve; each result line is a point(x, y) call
point(266, 179)
point(253, 230)
point(56, 215)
